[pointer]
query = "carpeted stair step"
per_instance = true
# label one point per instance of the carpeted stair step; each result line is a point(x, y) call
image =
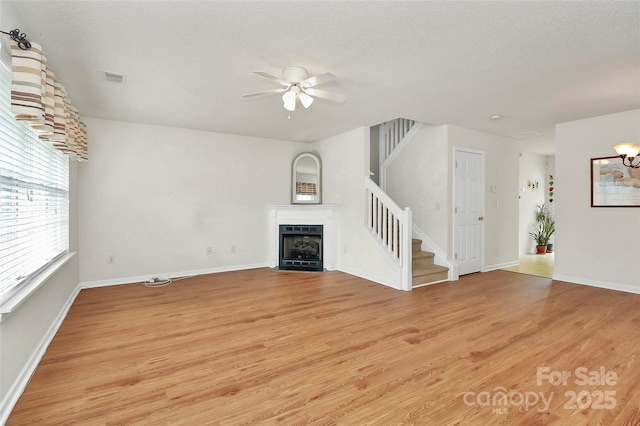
point(424, 270)
point(422, 259)
point(429, 274)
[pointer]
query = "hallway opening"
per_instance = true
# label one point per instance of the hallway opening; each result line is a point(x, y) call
point(540, 265)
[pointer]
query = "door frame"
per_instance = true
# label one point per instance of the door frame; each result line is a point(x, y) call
point(481, 195)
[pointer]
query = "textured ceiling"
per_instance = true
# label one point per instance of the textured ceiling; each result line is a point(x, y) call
point(188, 63)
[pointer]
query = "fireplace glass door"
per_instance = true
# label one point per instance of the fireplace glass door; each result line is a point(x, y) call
point(301, 247)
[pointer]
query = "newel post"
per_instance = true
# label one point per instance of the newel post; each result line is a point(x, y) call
point(406, 255)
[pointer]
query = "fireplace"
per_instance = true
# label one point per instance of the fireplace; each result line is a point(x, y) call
point(304, 215)
point(300, 247)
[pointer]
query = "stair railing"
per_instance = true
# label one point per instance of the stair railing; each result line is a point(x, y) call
point(391, 227)
point(392, 135)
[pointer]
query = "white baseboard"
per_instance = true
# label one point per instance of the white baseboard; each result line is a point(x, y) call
point(501, 266)
point(21, 382)
point(600, 284)
point(192, 273)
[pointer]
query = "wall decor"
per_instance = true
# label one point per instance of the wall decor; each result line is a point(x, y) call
point(613, 184)
point(306, 179)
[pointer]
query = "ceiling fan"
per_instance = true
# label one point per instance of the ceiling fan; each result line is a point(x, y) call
point(299, 86)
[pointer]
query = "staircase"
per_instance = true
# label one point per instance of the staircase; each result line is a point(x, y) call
point(424, 271)
point(392, 226)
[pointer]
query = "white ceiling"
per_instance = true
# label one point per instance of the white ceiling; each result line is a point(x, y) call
point(188, 63)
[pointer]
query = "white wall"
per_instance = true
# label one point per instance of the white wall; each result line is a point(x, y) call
point(599, 246)
point(501, 206)
point(345, 163)
point(417, 178)
point(155, 198)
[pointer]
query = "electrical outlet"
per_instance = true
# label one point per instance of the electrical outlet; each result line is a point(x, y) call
point(111, 259)
point(209, 251)
point(233, 248)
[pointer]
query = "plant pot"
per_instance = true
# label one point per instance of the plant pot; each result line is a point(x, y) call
point(541, 249)
point(550, 248)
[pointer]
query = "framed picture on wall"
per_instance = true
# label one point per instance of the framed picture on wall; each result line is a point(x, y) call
point(614, 184)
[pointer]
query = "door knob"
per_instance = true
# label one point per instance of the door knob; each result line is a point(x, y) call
point(481, 218)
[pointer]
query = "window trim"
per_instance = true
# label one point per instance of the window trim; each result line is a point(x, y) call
point(19, 297)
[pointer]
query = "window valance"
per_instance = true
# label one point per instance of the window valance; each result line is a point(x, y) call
point(42, 101)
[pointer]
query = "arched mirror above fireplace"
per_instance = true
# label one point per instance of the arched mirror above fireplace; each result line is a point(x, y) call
point(306, 179)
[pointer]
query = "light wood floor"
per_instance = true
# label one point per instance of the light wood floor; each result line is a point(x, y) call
point(540, 265)
point(266, 347)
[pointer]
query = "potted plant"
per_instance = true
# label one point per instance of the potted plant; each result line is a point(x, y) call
point(539, 235)
point(543, 228)
point(549, 225)
point(542, 210)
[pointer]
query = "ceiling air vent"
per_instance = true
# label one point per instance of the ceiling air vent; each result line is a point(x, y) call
point(114, 77)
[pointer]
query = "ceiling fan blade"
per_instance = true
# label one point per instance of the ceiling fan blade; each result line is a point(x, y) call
point(264, 92)
point(335, 97)
point(318, 80)
point(271, 77)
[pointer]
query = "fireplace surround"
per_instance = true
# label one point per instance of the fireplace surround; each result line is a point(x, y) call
point(325, 215)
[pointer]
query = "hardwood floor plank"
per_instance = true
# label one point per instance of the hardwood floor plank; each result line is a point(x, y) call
point(261, 346)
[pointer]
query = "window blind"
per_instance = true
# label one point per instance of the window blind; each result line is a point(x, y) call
point(34, 199)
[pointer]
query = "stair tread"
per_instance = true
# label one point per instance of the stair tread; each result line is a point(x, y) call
point(417, 280)
point(422, 254)
point(428, 270)
point(425, 273)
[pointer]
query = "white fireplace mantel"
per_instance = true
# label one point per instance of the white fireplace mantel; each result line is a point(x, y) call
point(294, 214)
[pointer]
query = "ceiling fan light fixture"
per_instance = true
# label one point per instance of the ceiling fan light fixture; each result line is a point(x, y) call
point(294, 74)
point(305, 99)
point(299, 86)
point(289, 99)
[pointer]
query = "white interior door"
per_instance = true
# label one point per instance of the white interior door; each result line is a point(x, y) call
point(468, 211)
